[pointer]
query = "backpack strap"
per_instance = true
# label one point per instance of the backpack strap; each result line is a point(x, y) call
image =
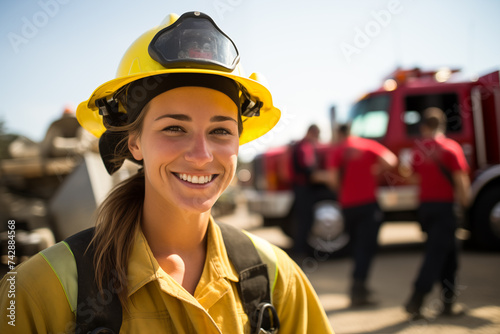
point(268, 256)
point(101, 313)
point(254, 287)
point(447, 174)
point(72, 262)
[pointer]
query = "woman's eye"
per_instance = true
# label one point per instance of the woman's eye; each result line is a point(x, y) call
point(173, 129)
point(221, 131)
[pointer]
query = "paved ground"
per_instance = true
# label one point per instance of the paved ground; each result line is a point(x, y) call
point(393, 273)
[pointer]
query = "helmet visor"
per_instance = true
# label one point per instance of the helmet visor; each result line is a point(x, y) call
point(194, 40)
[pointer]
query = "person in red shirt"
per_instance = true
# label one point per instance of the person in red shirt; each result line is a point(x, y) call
point(442, 172)
point(304, 164)
point(353, 169)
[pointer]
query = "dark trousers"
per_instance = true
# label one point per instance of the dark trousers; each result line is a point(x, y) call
point(441, 251)
point(303, 217)
point(363, 224)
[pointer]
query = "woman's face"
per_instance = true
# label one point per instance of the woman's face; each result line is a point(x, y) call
point(189, 145)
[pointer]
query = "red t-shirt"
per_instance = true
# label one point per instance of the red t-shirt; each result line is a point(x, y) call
point(303, 161)
point(427, 156)
point(355, 159)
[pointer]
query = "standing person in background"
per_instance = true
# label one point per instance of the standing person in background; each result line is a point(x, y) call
point(66, 138)
point(353, 169)
point(65, 129)
point(442, 172)
point(304, 164)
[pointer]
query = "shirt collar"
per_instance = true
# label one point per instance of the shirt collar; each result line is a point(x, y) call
point(143, 267)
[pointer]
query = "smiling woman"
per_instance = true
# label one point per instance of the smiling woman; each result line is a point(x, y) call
point(156, 261)
point(193, 132)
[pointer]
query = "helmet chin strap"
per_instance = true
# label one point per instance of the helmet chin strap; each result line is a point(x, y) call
point(249, 107)
point(107, 147)
point(108, 109)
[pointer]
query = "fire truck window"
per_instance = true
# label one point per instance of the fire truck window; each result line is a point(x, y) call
point(369, 117)
point(416, 104)
point(411, 119)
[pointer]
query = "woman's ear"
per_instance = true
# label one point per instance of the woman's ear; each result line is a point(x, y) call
point(134, 147)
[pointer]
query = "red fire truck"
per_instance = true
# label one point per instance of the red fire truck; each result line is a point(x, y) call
point(391, 115)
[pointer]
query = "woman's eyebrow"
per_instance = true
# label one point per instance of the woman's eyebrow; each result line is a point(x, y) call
point(180, 117)
point(184, 117)
point(221, 118)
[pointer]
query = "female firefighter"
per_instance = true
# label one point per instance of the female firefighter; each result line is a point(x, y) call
point(156, 261)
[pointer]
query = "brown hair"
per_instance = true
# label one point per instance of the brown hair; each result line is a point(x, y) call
point(344, 130)
point(117, 220)
point(434, 119)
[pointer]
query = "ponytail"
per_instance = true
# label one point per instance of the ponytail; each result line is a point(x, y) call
point(118, 217)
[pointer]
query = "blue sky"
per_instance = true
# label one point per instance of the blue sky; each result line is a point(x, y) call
point(314, 53)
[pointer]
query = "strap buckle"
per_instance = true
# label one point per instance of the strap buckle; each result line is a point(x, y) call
point(267, 319)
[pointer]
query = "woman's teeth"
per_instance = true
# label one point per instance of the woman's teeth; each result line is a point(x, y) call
point(195, 178)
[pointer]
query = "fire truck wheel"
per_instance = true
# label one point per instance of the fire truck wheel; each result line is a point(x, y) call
point(486, 220)
point(328, 234)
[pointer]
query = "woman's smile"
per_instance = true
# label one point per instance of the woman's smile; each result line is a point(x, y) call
point(195, 179)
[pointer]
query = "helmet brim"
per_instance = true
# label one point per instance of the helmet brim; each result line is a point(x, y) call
point(253, 127)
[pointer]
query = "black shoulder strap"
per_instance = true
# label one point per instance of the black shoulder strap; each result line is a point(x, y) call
point(443, 169)
point(254, 280)
point(96, 313)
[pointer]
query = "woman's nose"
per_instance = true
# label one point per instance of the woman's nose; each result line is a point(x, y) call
point(199, 151)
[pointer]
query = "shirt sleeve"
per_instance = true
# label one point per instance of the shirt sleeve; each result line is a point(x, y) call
point(297, 304)
point(455, 159)
point(378, 149)
point(36, 299)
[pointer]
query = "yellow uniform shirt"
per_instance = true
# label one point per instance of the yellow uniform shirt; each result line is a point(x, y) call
point(157, 303)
